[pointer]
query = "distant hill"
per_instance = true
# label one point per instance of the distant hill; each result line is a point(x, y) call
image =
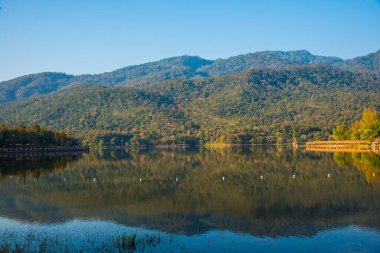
point(32, 85)
point(267, 59)
point(183, 67)
point(262, 105)
point(367, 64)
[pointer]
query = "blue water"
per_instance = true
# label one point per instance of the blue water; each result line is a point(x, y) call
point(90, 234)
point(192, 201)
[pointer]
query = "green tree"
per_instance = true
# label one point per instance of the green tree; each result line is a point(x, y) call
point(368, 127)
point(341, 132)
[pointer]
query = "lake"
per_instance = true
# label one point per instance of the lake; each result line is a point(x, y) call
point(220, 200)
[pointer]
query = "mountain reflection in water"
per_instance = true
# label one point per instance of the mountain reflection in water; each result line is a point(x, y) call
point(255, 191)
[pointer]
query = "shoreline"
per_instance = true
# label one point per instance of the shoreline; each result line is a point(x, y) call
point(343, 146)
point(43, 150)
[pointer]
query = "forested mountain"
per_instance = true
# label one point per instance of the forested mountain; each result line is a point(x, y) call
point(257, 105)
point(183, 67)
point(367, 64)
point(32, 85)
point(267, 59)
point(44, 83)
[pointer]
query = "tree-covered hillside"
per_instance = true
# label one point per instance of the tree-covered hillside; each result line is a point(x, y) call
point(271, 105)
point(183, 67)
point(83, 109)
point(32, 85)
point(267, 59)
point(367, 64)
point(259, 105)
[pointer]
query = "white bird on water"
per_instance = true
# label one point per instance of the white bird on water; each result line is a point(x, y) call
point(261, 177)
point(140, 179)
point(94, 179)
point(294, 176)
point(223, 178)
point(328, 175)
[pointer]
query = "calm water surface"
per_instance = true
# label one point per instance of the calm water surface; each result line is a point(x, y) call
point(227, 200)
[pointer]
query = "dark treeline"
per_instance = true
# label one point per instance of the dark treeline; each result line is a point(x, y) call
point(33, 136)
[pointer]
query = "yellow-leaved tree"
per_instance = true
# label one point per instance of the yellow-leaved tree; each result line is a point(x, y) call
point(367, 128)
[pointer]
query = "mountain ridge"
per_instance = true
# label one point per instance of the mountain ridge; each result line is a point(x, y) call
point(181, 67)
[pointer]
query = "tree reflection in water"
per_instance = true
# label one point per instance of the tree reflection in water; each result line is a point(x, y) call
point(184, 191)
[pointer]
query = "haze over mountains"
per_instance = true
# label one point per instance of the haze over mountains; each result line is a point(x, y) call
point(259, 97)
point(182, 67)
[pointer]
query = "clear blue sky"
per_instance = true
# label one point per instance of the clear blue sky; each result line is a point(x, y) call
point(93, 36)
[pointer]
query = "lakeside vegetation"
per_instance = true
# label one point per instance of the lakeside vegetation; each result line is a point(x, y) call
point(21, 136)
point(367, 128)
point(41, 243)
